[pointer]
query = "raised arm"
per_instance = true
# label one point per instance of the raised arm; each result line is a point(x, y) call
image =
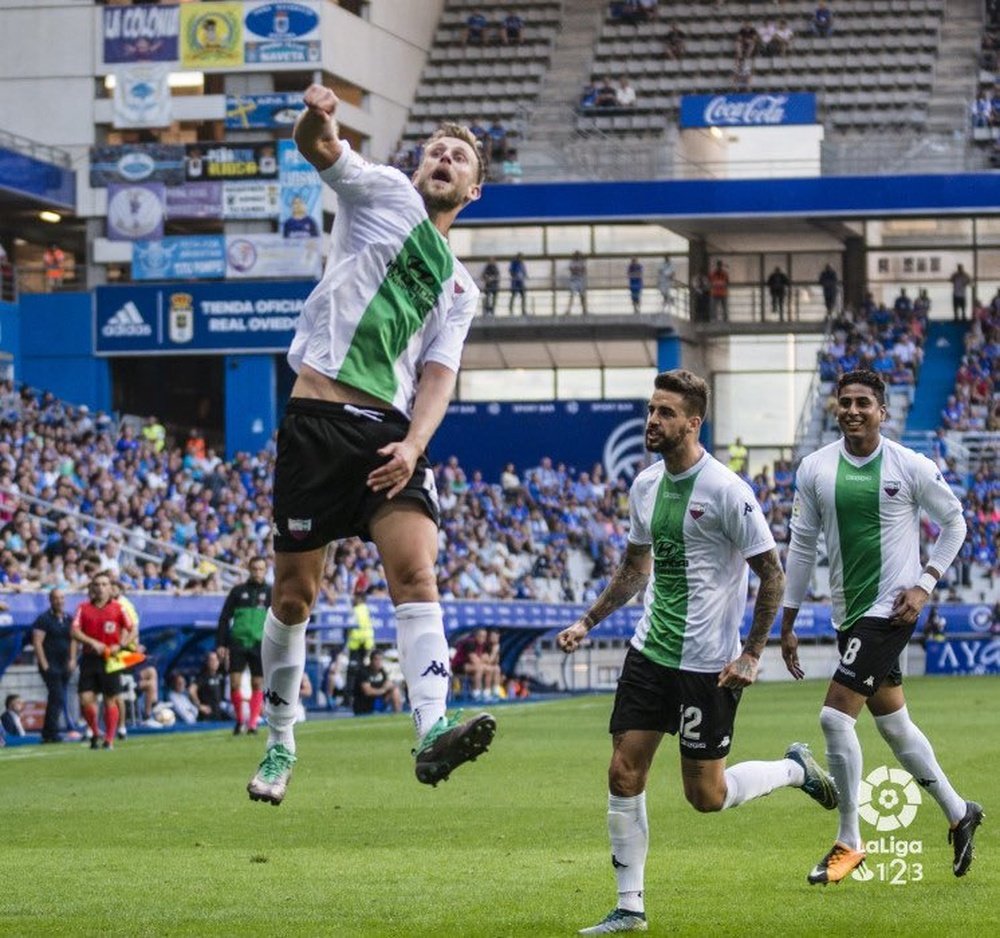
point(630, 578)
point(315, 130)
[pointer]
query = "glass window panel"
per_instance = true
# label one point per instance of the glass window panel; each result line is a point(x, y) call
point(742, 268)
point(565, 239)
point(631, 383)
point(578, 383)
point(988, 230)
point(806, 268)
point(919, 231)
point(499, 241)
point(621, 239)
point(518, 384)
point(778, 401)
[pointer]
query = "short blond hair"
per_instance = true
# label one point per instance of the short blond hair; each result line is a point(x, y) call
point(461, 132)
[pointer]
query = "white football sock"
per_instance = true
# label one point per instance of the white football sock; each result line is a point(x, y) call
point(423, 656)
point(629, 832)
point(843, 756)
point(748, 780)
point(283, 654)
point(916, 755)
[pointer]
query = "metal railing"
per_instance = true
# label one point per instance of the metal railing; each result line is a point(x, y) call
point(229, 574)
point(39, 151)
point(34, 278)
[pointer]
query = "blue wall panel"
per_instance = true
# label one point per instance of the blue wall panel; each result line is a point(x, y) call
point(57, 348)
point(819, 196)
point(10, 334)
point(250, 400)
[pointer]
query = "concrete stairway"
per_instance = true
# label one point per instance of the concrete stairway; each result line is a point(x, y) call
point(957, 70)
point(550, 141)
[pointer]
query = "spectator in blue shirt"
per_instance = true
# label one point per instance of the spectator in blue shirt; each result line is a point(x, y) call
point(513, 25)
point(903, 305)
point(518, 278)
point(822, 21)
point(475, 29)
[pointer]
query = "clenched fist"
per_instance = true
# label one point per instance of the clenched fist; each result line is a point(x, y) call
point(570, 639)
point(320, 100)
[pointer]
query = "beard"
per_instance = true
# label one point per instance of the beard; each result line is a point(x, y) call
point(664, 445)
point(438, 203)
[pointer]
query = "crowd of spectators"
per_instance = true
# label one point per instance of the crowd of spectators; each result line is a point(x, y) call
point(608, 96)
point(155, 517)
point(891, 340)
point(168, 516)
point(887, 340)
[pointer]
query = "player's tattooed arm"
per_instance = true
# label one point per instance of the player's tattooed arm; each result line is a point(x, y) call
point(630, 578)
point(767, 566)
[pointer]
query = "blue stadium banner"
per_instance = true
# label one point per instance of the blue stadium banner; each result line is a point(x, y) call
point(140, 33)
point(747, 110)
point(137, 162)
point(262, 111)
point(180, 257)
point(488, 436)
point(282, 32)
point(25, 175)
point(963, 656)
point(197, 317)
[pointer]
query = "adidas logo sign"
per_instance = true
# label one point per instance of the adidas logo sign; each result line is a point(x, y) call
point(127, 322)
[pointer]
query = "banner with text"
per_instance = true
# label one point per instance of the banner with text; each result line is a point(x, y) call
point(301, 214)
point(263, 111)
point(195, 200)
point(211, 35)
point(142, 96)
point(282, 33)
point(747, 110)
point(136, 212)
point(137, 162)
point(207, 161)
point(271, 255)
point(257, 316)
point(140, 34)
point(963, 656)
point(250, 199)
point(182, 257)
point(578, 433)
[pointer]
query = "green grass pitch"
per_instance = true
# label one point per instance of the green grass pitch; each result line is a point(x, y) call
point(159, 838)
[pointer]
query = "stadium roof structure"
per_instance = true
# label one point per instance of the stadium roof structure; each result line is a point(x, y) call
point(701, 206)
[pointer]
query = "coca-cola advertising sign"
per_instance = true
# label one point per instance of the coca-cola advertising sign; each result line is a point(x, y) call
point(747, 110)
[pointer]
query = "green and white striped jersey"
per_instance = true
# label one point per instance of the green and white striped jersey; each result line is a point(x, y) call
point(393, 296)
point(869, 512)
point(703, 525)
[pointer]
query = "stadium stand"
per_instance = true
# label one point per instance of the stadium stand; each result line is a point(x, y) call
point(875, 70)
point(491, 79)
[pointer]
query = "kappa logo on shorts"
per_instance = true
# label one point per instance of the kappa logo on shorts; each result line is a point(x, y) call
point(299, 527)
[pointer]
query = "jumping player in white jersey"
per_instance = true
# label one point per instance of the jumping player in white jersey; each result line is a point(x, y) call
point(865, 494)
point(377, 349)
point(695, 526)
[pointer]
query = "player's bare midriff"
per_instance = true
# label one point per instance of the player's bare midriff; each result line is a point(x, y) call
point(314, 385)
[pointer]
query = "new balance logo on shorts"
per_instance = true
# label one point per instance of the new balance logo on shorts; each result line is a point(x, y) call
point(435, 667)
point(273, 699)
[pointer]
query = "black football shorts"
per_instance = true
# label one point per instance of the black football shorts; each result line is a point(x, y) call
point(325, 454)
point(688, 704)
point(869, 654)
